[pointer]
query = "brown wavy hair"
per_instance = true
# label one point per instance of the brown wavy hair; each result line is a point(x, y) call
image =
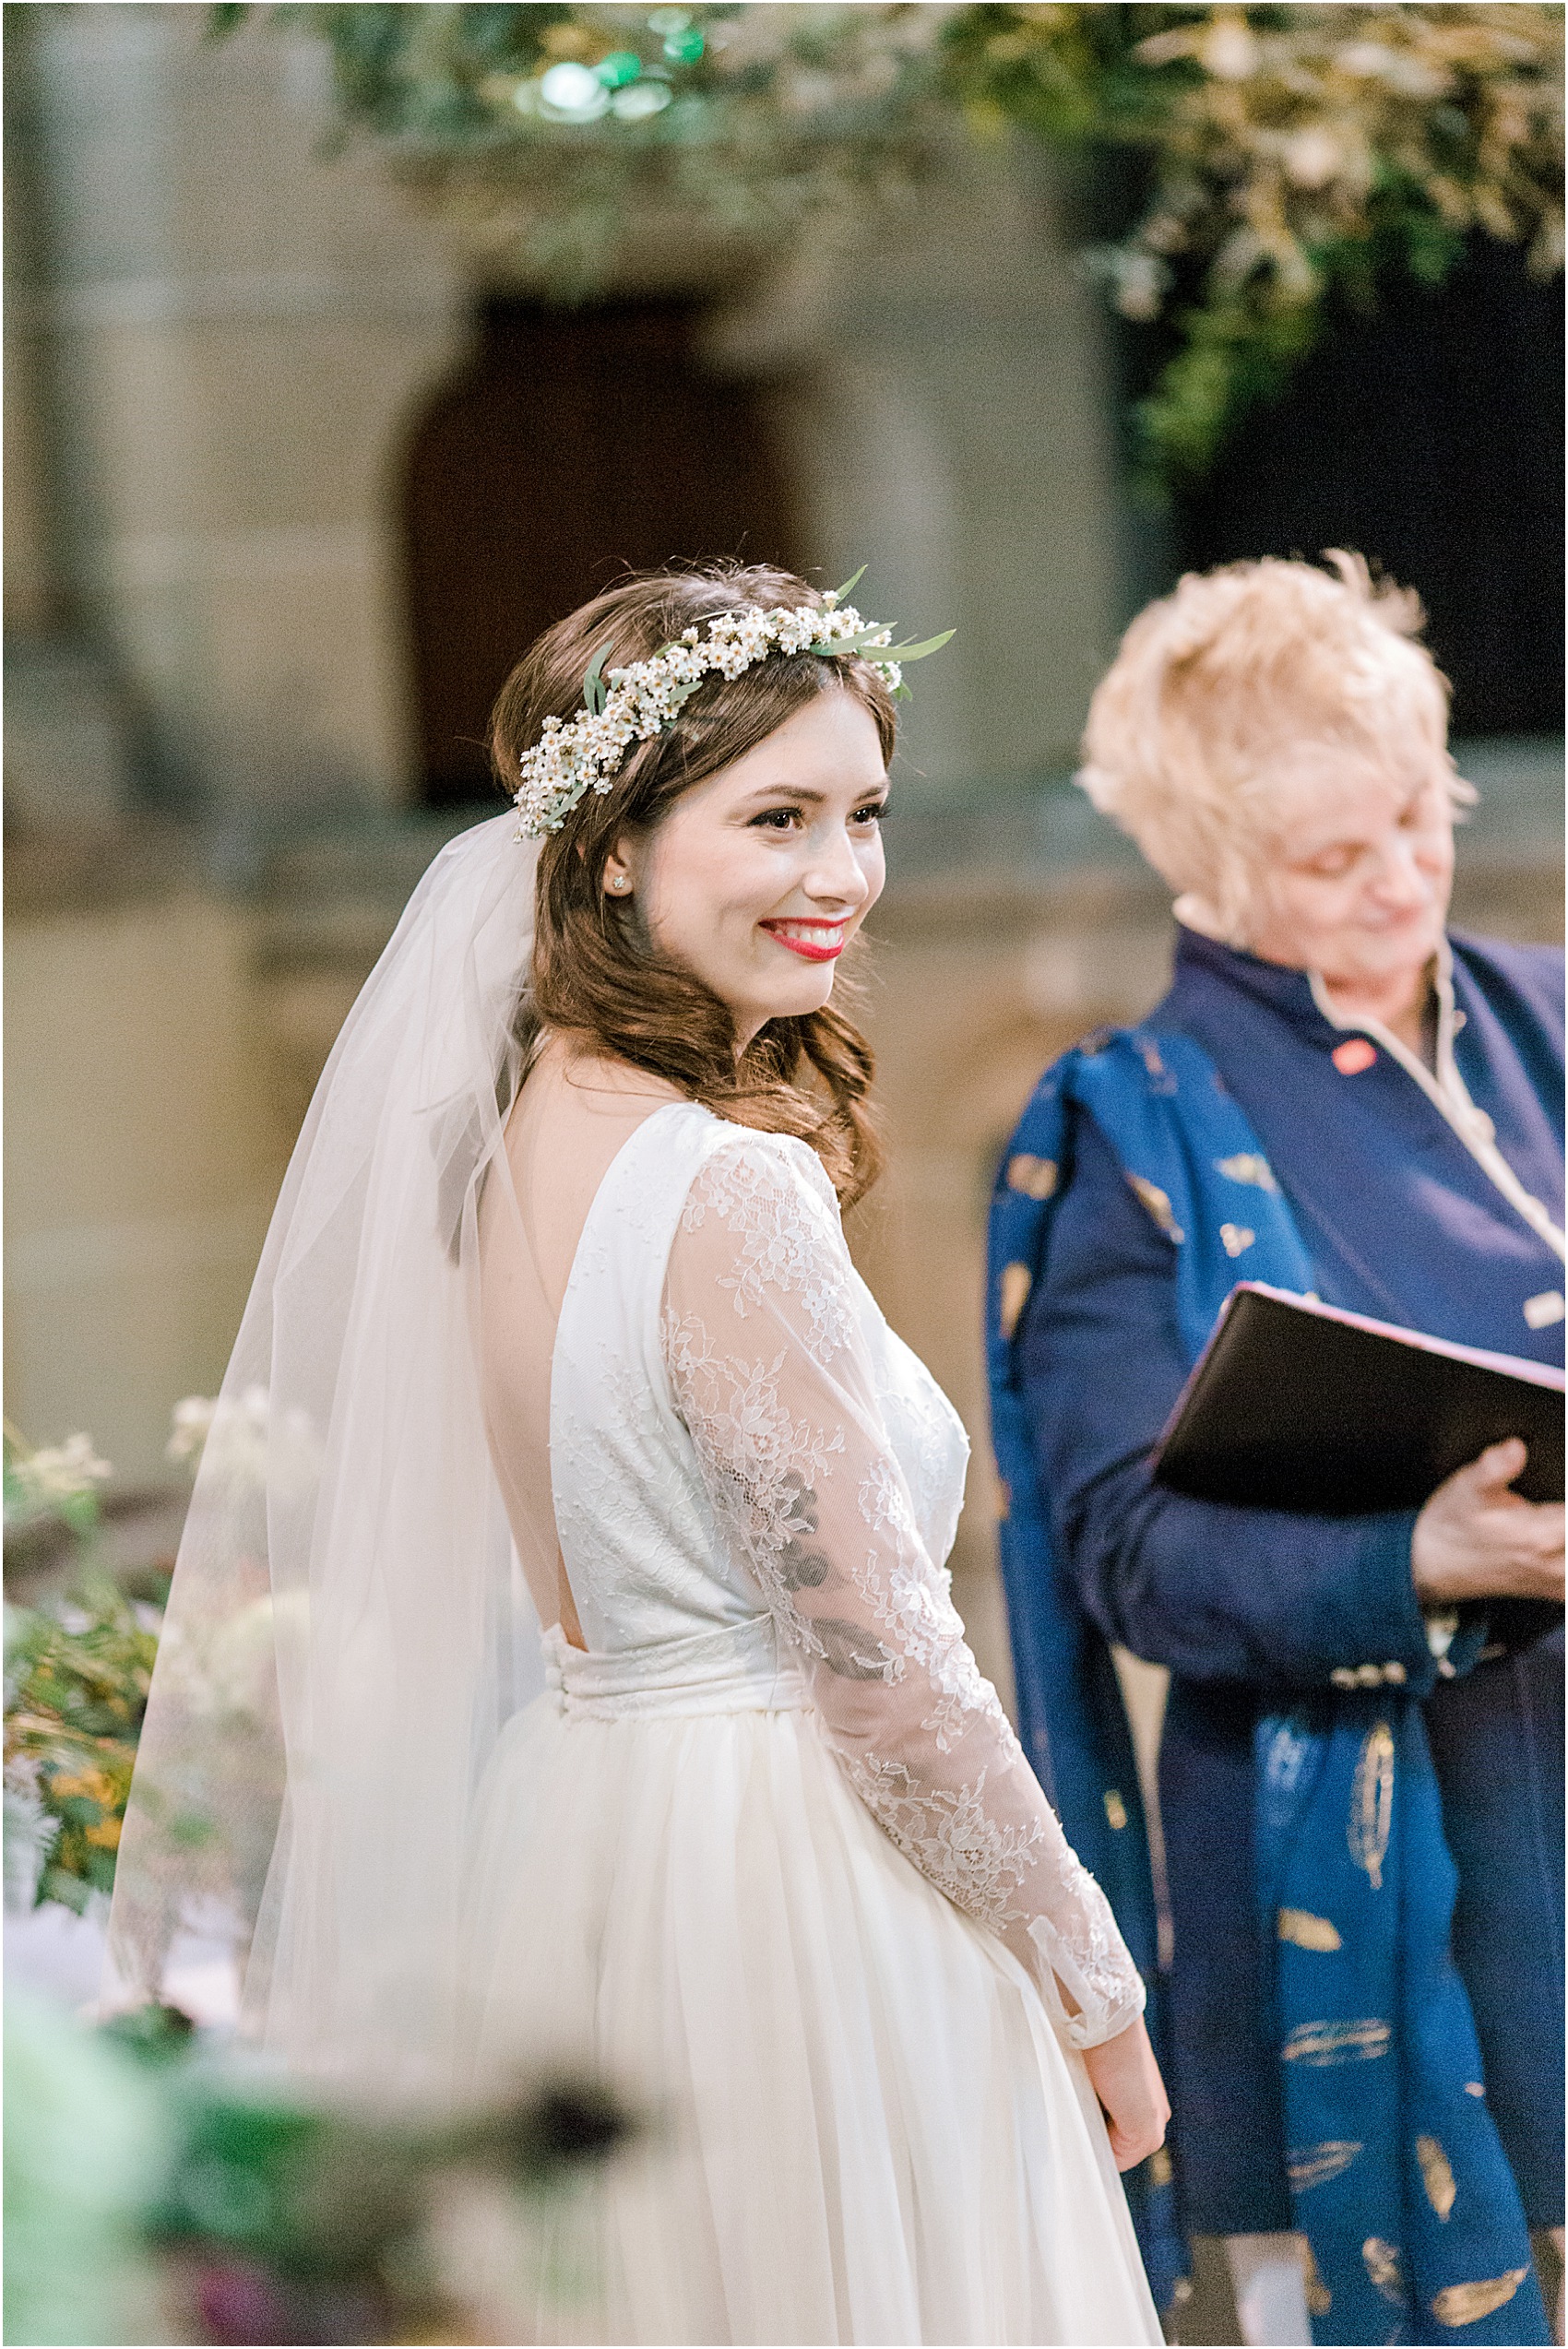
point(596, 975)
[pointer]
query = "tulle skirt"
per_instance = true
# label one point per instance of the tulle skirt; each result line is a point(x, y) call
point(859, 2125)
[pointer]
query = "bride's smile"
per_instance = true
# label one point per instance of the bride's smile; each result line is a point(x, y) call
point(821, 941)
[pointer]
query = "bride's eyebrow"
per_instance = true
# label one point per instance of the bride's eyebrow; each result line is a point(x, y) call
point(803, 795)
point(798, 791)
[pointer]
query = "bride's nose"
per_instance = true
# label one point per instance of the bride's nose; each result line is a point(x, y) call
point(837, 875)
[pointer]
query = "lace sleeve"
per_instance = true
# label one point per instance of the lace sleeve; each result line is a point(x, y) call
point(773, 1378)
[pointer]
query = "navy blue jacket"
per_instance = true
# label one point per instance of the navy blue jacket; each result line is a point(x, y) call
point(1403, 1223)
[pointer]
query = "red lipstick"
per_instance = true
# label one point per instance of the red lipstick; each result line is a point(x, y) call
point(814, 941)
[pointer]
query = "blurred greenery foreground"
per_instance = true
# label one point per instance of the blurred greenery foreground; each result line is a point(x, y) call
point(1248, 169)
point(160, 2186)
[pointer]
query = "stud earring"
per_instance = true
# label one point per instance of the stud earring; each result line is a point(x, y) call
point(619, 881)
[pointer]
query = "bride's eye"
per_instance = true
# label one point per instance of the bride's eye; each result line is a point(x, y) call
point(776, 819)
point(873, 812)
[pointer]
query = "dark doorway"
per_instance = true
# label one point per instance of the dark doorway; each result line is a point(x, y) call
point(1430, 437)
point(573, 444)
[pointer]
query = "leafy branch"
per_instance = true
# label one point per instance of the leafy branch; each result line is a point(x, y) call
point(1294, 153)
point(1294, 156)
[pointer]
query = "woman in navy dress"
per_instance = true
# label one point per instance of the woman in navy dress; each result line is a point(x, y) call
point(1273, 737)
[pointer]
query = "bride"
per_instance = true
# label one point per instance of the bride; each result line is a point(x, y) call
point(557, 1297)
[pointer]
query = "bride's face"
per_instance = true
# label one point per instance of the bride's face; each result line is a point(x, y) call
point(759, 876)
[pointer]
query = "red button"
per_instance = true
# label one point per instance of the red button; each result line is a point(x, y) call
point(1354, 1055)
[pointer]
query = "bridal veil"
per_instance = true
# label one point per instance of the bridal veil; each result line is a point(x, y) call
point(347, 1627)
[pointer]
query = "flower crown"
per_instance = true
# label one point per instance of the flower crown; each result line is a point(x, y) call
point(623, 705)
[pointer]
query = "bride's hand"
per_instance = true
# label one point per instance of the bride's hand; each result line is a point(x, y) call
point(1125, 2077)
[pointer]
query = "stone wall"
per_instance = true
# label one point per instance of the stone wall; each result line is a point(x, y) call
point(230, 331)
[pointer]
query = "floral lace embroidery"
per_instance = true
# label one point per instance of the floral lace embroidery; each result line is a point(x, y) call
point(931, 1445)
point(762, 1469)
point(1085, 1952)
point(917, 1612)
point(951, 1838)
point(783, 1245)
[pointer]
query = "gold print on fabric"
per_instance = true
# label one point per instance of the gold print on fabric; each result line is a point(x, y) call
point(1384, 2270)
point(1437, 2175)
point(1016, 1282)
point(1318, 2045)
point(1372, 1803)
point(1247, 1167)
point(1151, 1196)
point(1237, 1238)
point(1115, 1809)
point(1320, 2299)
point(1036, 1178)
point(1315, 2164)
point(1307, 1931)
point(1459, 2304)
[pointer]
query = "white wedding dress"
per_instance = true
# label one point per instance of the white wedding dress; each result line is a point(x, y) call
point(766, 1856)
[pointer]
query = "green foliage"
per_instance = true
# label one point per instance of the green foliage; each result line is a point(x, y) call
point(307, 2218)
point(1071, 75)
point(153, 2034)
point(86, 2141)
point(318, 2190)
point(159, 2189)
point(1231, 360)
point(1295, 155)
point(77, 1679)
point(562, 135)
point(76, 1685)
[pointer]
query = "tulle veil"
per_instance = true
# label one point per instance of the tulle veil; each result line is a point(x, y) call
point(349, 1626)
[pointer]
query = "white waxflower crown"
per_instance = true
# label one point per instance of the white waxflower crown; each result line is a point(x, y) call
point(623, 705)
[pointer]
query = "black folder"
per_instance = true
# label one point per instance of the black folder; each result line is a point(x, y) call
point(1294, 1405)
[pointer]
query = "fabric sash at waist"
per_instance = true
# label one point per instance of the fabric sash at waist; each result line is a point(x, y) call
point(735, 1668)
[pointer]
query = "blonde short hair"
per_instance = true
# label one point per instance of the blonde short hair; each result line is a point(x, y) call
point(1212, 683)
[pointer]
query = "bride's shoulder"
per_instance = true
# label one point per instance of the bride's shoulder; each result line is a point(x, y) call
point(744, 1169)
point(760, 1226)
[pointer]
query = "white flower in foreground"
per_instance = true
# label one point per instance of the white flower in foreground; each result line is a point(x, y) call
point(1312, 156)
point(241, 1440)
point(227, 1669)
point(30, 1837)
point(191, 1422)
point(58, 1472)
